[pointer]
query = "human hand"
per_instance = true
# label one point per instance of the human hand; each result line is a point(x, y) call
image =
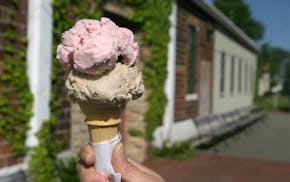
point(130, 169)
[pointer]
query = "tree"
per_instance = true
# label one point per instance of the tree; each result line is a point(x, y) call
point(239, 12)
point(272, 60)
point(286, 83)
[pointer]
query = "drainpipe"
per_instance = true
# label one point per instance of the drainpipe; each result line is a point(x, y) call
point(169, 89)
point(39, 63)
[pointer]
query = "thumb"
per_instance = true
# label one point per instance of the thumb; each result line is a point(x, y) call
point(122, 165)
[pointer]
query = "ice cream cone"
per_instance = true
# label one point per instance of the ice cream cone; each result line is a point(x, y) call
point(102, 119)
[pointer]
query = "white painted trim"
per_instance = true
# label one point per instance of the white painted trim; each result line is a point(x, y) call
point(169, 89)
point(12, 169)
point(39, 63)
point(182, 131)
point(191, 97)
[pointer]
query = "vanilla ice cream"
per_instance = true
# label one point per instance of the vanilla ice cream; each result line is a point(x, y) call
point(121, 84)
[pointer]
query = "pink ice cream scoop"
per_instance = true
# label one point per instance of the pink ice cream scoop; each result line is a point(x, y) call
point(93, 47)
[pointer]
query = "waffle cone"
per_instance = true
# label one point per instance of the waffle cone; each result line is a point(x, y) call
point(103, 120)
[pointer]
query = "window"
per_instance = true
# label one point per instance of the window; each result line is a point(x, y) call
point(232, 75)
point(191, 60)
point(246, 78)
point(252, 81)
point(222, 77)
point(240, 76)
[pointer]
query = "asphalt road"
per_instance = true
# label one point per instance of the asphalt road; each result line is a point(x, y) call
point(268, 139)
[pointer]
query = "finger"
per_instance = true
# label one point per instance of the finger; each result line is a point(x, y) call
point(89, 174)
point(87, 155)
point(144, 169)
point(129, 172)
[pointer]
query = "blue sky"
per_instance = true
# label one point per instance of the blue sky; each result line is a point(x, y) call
point(275, 15)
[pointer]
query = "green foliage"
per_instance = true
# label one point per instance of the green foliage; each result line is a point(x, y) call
point(67, 170)
point(154, 17)
point(43, 159)
point(266, 103)
point(271, 59)
point(14, 117)
point(135, 132)
point(44, 163)
point(239, 12)
point(286, 83)
point(179, 151)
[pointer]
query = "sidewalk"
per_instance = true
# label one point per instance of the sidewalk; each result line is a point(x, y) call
point(216, 168)
point(266, 140)
point(259, 153)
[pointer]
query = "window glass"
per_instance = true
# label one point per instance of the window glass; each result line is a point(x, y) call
point(232, 75)
point(222, 77)
point(246, 78)
point(191, 60)
point(240, 76)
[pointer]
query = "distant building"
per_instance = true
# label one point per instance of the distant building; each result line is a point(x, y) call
point(264, 84)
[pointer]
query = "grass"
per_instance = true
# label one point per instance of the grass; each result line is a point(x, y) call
point(179, 151)
point(267, 103)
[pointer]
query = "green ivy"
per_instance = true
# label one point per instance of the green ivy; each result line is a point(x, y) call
point(14, 117)
point(178, 151)
point(44, 163)
point(154, 17)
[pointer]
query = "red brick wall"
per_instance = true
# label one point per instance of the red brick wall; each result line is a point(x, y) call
point(19, 15)
point(188, 14)
point(6, 159)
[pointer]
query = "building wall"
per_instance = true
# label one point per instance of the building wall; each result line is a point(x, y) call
point(19, 16)
point(63, 123)
point(185, 107)
point(232, 100)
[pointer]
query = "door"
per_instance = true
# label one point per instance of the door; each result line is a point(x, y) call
point(205, 88)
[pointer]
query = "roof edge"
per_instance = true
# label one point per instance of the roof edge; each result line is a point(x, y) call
point(226, 22)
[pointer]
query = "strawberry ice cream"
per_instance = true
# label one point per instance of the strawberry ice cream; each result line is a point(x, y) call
point(93, 47)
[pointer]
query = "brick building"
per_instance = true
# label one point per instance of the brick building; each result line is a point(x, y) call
point(211, 69)
point(31, 19)
point(9, 12)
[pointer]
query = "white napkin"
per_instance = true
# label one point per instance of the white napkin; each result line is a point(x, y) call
point(103, 164)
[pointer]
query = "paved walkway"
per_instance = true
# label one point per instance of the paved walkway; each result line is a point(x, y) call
point(259, 153)
point(268, 139)
point(215, 168)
